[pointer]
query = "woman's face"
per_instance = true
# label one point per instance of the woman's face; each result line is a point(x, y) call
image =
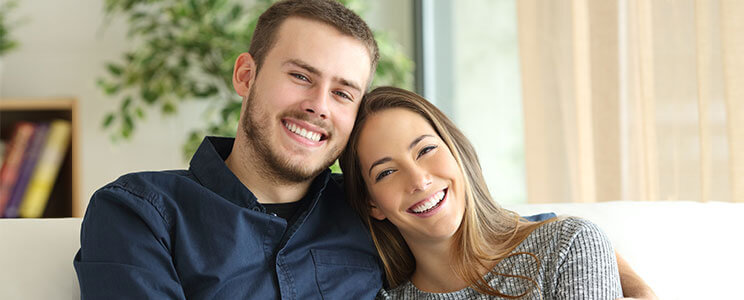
point(411, 175)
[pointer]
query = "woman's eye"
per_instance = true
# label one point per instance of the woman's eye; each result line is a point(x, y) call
point(299, 76)
point(383, 174)
point(342, 94)
point(426, 150)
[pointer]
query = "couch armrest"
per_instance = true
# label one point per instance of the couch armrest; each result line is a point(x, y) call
point(36, 258)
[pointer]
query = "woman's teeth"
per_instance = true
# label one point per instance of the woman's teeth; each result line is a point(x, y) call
point(429, 204)
point(313, 136)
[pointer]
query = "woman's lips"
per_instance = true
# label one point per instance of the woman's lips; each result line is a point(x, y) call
point(430, 211)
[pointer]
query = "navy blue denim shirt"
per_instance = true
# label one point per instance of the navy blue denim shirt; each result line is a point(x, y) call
point(201, 234)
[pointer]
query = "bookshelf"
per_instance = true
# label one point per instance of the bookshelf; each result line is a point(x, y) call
point(63, 200)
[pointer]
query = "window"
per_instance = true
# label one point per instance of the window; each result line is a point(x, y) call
point(468, 65)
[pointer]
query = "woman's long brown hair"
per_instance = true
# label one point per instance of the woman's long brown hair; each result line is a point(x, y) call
point(487, 234)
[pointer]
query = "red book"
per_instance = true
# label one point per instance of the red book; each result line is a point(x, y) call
point(13, 159)
point(27, 167)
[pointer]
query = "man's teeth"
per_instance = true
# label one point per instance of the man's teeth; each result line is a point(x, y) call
point(313, 136)
point(433, 201)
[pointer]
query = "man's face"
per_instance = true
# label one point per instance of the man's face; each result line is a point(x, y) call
point(302, 105)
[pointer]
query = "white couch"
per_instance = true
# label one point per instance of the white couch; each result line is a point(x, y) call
point(36, 258)
point(684, 250)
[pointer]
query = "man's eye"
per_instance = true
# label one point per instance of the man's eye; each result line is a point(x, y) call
point(426, 150)
point(383, 174)
point(299, 76)
point(343, 94)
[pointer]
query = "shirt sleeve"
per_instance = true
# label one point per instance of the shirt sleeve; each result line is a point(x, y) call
point(124, 250)
point(540, 217)
point(589, 269)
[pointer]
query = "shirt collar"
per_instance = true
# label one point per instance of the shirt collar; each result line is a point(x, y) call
point(209, 167)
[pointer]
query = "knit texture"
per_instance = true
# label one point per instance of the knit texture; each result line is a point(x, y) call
point(576, 262)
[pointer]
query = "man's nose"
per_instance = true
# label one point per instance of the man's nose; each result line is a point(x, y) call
point(317, 102)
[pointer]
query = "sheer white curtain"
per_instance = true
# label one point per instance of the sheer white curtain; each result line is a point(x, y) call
point(633, 99)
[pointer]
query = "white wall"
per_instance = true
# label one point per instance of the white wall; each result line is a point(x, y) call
point(64, 46)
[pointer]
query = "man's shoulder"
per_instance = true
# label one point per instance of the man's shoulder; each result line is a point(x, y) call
point(145, 183)
point(144, 193)
point(151, 178)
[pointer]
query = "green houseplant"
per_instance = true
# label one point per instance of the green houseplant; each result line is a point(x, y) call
point(186, 52)
point(7, 43)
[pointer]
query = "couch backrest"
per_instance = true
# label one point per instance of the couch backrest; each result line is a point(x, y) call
point(683, 250)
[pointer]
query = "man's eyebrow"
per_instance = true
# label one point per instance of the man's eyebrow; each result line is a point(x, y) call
point(378, 162)
point(348, 83)
point(387, 159)
point(304, 65)
point(315, 71)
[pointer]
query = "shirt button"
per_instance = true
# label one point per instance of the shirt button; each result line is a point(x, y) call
point(273, 214)
point(256, 208)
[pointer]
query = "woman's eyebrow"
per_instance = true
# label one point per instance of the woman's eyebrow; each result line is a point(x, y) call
point(378, 162)
point(418, 139)
point(387, 158)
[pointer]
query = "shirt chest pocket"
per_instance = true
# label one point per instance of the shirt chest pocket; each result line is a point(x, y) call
point(346, 274)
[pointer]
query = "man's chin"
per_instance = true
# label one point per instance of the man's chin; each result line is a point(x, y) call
point(299, 170)
point(311, 169)
point(310, 159)
point(300, 174)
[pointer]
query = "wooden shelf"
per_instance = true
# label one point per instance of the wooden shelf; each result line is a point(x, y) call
point(64, 200)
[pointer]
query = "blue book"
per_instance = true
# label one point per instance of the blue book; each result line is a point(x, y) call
point(28, 164)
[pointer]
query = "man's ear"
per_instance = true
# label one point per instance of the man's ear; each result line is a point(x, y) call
point(244, 73)
point(375, 212)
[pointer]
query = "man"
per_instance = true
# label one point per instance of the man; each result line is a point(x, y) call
point(257, 217)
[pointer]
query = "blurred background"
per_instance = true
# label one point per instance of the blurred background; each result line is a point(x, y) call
point(565, 101)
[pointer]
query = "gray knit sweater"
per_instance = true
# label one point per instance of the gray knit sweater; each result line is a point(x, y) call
point(576, 262)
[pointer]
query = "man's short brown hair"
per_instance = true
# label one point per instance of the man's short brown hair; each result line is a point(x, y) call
point(327, 11)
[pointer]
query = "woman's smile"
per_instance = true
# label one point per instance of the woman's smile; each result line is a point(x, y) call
point(429, 206)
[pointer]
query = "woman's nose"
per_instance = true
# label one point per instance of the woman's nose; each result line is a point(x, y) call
point(420, 180)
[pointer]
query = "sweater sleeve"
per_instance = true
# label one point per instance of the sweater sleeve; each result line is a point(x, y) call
point(588, 269)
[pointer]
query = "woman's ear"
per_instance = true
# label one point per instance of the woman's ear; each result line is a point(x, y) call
point(375, 212)
point(244, 73)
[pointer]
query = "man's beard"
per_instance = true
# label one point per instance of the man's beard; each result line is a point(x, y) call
point(278, 168)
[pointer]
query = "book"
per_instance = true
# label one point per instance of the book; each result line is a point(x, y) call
point(2, 153)
point(45, 173)
point(12, 162)
point(27, 167)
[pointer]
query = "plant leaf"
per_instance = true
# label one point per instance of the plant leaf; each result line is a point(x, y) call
point(114, 69)
point(108, 119)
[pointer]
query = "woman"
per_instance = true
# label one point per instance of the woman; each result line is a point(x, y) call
point(416, 181)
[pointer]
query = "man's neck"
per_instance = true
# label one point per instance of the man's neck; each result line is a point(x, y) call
point(252, 172)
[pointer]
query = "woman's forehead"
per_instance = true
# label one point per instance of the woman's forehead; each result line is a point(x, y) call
point(390, 131)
